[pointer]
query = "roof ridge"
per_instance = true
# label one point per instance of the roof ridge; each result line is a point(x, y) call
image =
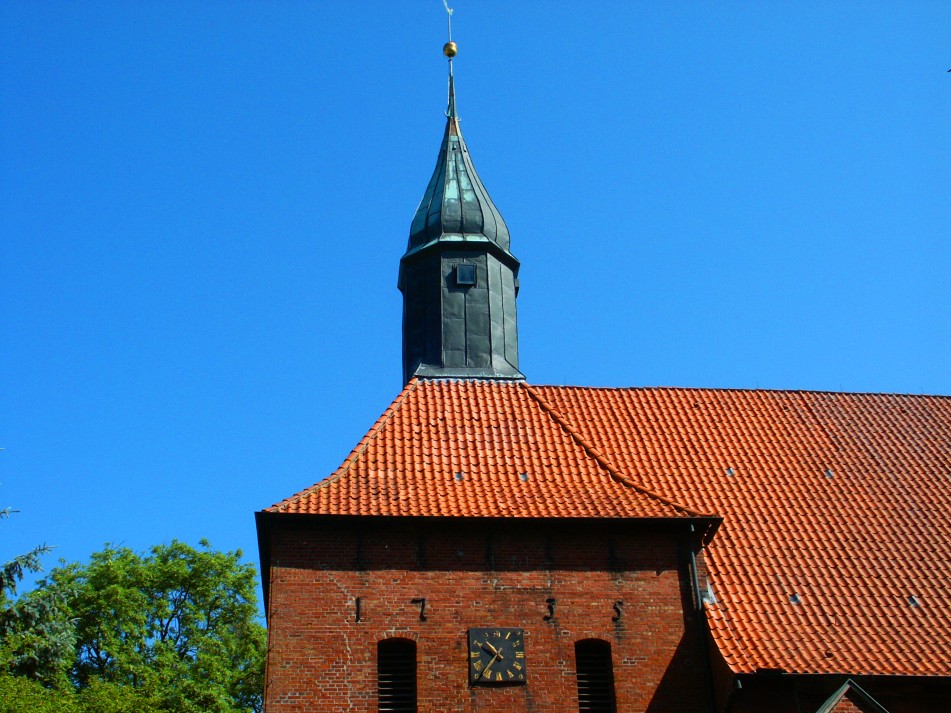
point(740, 389)
point(358, 450)
point(593, 452)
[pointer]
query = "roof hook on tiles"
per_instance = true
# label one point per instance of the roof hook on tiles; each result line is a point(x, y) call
point(794, 598)
point(523, 477)
point(828, 472)
point(459, 476)
point(913, 601)
point(730, 471)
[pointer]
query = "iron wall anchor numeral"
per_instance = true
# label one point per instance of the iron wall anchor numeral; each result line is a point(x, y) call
point(550, 603)
point(617, 610)
point(422, 607)
point(359, 604)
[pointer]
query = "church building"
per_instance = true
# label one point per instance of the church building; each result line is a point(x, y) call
point(496, 545)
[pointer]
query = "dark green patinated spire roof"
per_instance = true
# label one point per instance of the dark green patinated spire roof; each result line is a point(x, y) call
point(459, 280)
point(456, 206)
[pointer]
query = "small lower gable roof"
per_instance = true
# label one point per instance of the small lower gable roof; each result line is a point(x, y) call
point(834, 554)
point(851, 697)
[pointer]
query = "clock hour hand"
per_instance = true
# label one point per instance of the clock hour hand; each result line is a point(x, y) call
point(492, 649)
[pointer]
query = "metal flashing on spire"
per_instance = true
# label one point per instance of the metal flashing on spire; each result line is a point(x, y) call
point(451, 106)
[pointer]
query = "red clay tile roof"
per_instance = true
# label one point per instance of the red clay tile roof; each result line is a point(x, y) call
point(835, 551)
point(475, 449)
point(840, 502)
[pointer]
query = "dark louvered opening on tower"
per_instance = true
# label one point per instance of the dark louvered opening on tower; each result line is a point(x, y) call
point(595, 676)
point(396, 676)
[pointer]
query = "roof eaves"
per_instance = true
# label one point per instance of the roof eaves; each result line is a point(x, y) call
point(726, 639)
point(604, 462)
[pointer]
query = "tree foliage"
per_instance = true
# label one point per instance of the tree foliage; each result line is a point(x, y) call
point(19, 694)
point(36, 636)
point(172, 629)
point(13, 571)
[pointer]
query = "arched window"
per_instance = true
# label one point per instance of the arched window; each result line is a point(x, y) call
point(396, 675)
point(595, 676)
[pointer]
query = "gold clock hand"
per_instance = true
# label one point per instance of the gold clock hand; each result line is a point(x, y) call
point(494, 650)
point(491, 661)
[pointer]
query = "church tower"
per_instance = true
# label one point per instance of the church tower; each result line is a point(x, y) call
point(458, 278)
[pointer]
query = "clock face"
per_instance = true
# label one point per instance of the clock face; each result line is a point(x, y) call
point(496, 656)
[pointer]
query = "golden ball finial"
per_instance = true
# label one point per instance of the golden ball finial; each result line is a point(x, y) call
point(450, 49)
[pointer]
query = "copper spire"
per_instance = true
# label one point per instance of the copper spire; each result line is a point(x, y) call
point(458, 277)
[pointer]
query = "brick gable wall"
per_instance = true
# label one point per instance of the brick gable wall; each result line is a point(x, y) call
point(845, 705)
point(472, 574)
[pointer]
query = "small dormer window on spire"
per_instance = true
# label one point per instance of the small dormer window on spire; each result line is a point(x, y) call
point(465, 275)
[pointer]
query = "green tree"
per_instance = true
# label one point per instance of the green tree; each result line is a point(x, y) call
point(36, 634)
point(19, 694)
point(178, 625)
point(13, 571)
point(37, 637)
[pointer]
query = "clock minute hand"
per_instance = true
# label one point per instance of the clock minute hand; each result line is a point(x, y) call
point(497, 656)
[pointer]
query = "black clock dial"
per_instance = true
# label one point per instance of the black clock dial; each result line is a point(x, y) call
point(496, 656)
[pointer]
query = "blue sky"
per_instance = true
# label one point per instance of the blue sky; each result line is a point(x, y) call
point(203, 206)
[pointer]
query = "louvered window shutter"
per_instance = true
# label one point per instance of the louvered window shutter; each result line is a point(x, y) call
point(595, 676)
point(396, 676)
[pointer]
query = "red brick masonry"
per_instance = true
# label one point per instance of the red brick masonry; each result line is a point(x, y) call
point(482, 574)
